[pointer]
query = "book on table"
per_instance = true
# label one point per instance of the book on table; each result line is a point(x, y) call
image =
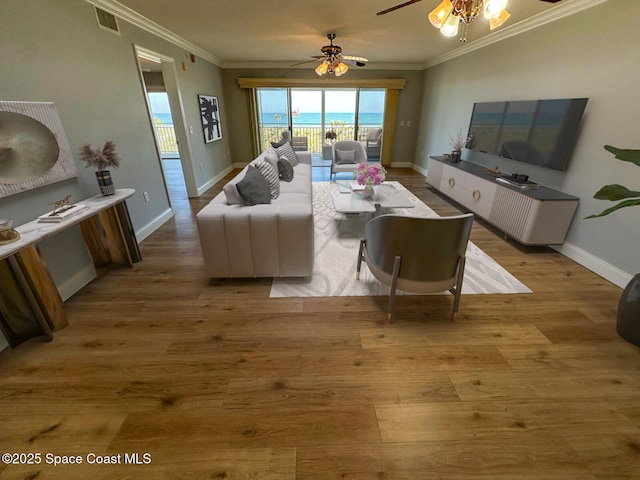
point(61, 214)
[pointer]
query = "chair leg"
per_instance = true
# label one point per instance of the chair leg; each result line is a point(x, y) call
point(457, 290)
point(394, 283)
point(360, 258)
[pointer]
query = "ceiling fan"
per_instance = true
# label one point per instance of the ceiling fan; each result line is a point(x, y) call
point(332, 60)
point(449, 14)
point(411, 2)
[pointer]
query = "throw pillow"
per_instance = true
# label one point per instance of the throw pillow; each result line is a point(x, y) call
point(285, 170)
point(233, 196)
point(345, 156)
point(270, 175)
point(272, 157)
point(286, 150)
point(279, 144)
point(253, 188)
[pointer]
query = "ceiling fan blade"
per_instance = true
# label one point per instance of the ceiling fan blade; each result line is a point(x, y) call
point(306, 61)
point(401, 5)
point(357, 61)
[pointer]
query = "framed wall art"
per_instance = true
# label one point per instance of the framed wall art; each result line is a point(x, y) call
point(210, 114)
point(34, 150)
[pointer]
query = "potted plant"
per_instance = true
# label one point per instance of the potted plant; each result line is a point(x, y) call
point(101, 159)
point(628, 317)
point(457, 143)
point(331, 136)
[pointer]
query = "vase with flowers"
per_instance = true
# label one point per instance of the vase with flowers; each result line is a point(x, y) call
point(102, 158)
point(369, 175)
point(330, 136)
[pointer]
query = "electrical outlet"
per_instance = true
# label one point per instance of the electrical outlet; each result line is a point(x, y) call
point(146, 196)
point(191, 130)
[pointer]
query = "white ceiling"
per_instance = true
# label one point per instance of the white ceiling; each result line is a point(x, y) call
point(234, 33)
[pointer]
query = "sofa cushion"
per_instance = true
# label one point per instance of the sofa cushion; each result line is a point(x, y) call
point(287, 152)
point(253, 188)
point(233, 196)
point(271, 156)
point(279, 144)
point(345, 156)
point(270, 174)
point(285, 170)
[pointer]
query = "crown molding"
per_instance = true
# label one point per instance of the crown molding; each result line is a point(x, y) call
point(125, 13)
point(565, 9)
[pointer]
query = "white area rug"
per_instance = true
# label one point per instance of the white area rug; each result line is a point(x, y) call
point(337, 239)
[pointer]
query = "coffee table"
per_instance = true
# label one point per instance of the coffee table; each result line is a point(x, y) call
point(386, 196)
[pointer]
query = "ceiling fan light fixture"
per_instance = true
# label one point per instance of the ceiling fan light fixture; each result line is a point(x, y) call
point(450, 26)
point(495, 22)
point(341, 69)
point(322, 68)
point(494, 8)
point(439, 14)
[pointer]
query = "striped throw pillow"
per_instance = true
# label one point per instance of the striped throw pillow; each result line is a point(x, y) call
point(286, 151)
point(270, 175)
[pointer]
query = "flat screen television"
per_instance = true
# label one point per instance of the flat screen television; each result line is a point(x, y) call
point(537, 132)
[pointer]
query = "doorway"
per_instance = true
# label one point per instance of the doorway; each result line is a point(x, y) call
point(161, 92)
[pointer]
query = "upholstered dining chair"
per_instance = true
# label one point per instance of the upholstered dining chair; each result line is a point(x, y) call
point(346, 154)
point(417, 255)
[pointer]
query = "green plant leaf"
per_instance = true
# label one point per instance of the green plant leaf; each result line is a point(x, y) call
point(615, 192)
point(627, 155)
point(626, 203)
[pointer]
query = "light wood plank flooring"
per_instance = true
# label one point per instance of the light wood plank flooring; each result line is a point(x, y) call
point(215, 380)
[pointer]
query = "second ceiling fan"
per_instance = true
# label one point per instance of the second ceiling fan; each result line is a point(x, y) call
point(448, 15)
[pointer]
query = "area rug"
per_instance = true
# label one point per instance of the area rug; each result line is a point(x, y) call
point(337, 239)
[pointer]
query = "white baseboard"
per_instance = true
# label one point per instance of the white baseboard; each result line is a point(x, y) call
point(216, 179)
point(73, 285)
point(401, 164)
point(419, 169)
point(595, 264)
point(154, 224)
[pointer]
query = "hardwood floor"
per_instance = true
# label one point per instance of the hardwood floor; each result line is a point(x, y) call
point(215, 380)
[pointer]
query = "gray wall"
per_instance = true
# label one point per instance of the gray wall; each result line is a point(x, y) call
point(586, 55)
point(409, 102)
point(54, 51)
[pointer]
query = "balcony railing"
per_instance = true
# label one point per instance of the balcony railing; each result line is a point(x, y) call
point(314, 135)
point(166, 138)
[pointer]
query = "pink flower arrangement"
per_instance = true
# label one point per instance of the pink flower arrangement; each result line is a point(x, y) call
point(370, 174)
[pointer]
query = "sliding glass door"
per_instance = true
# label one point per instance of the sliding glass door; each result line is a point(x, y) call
point(273, 115)
point(310, 113)
point(370, 119)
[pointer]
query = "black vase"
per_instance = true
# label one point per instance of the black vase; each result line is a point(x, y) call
point(105, 183)
point(455, 156)
point(628, 325)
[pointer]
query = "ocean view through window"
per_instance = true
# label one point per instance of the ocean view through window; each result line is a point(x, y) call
point(309, 113)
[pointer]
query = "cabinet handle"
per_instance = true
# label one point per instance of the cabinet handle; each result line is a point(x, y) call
point(452, 182)
point(476, 194)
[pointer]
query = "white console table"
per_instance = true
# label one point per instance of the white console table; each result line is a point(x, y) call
point(535, 216)
point(30, 304)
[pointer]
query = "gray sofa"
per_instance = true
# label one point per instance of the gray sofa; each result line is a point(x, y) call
point(266, 240)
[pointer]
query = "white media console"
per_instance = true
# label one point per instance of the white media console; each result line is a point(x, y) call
point(532, 216)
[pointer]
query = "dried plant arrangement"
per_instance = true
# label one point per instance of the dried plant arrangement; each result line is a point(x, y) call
point(101, 158)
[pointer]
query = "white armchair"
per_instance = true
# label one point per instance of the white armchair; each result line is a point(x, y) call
point(346, 154)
